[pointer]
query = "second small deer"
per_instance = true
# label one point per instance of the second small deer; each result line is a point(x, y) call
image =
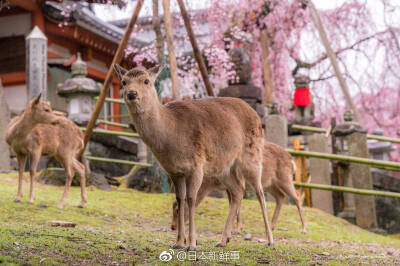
point(40, 131)
point(277, 179)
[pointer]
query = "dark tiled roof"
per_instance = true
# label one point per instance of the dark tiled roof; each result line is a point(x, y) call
point(85, 18)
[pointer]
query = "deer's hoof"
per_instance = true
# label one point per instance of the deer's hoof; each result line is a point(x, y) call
point(30, 202)
point(173, 227)
point(304, 232)
point(220, 245)
point(269, 244)
point(177, 246)
point(60, 207)
point(17, 200)
point(190, 248)
point(80, 206)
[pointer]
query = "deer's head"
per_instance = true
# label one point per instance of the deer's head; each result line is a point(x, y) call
point(41, 112)
point(138, 85)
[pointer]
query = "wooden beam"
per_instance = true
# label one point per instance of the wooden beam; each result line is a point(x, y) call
point(107, 82)
point(169, 36)
point(32, 6)
point(15, 78)
point(268, 84)
point(196, 51)
point(157, 30)
point(333, 59)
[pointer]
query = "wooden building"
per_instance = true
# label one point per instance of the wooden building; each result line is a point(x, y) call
point(67, 33)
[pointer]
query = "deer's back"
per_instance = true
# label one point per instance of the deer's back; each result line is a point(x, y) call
point(215, 131)
point(277, 164)
point(57, 140)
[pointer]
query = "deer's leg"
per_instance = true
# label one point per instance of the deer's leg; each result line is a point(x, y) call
point(261, 198)
point(68, 180)
point(80, 169)
point(236, 197)
point(180, 191)
point(238, 218)
point(288, 188)
point(35, 157)
point(21, 168)
point(192, 187)
point(279, 198)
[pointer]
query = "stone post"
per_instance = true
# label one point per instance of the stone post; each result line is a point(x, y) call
point(361, 177)
point(36, 63)
point(320, 174)
point(352, 140)
point(4, 119)
point(276, 129)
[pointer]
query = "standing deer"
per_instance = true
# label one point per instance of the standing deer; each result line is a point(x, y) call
point(40, 131)
point(277, 179)
point(192, 139)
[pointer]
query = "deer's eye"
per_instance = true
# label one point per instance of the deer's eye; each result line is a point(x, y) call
point(146, 81)
point(47, 110)
point(123, 83)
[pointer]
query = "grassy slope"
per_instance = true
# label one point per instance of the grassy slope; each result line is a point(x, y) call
point(127, 226)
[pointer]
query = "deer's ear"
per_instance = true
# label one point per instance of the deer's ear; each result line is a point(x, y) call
point(37, 99)
point(120, 71)
point(155, 71)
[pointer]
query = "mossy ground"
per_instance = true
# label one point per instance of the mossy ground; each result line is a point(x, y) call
point(129, 227)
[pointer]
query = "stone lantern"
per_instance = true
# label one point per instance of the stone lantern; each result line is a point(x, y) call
point(351, 139)
point(79, 91)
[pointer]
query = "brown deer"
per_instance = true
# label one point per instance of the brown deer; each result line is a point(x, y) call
point(277, 179)
point(192, 139)
point(40, 131)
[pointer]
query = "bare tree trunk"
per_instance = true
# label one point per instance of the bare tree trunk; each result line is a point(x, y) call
point(268, 85)
point(333, 59)
point(196, 51)
point(157, 30)
point(171, 50)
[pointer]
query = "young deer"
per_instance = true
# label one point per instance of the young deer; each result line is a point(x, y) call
point(192, 139)
point(277, 179)
point(39, 131)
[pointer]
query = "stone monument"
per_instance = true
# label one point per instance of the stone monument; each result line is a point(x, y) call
point(4, 119)
point(243, 88)
point(302, 101)
point(79, 91)
point(36, 63)
point(351, 139)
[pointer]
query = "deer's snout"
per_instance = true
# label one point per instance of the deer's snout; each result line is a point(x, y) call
point(131, 95)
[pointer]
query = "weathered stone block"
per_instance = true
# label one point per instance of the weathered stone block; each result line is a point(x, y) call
point(5, 163)
point(320, 174)
point(276, 130)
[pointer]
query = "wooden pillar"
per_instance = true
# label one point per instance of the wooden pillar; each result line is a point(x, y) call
point(332, 58)
point(268, 84)
point(196, 51)
point(169, 36)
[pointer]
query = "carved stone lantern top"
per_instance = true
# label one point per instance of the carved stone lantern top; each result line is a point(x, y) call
point(349, 126)
point(79, 83)
point(301, 81)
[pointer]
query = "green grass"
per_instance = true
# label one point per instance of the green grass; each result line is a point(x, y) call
point(127, 226)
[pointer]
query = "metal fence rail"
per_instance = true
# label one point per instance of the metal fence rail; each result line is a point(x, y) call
point(345, 158)
point(366, 192)
point(117, 161)
point(322, 130)
point(114, 133)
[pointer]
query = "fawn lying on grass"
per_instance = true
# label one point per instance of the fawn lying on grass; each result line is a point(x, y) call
point(192, 139)
point(277, 179)
point(40, 131)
